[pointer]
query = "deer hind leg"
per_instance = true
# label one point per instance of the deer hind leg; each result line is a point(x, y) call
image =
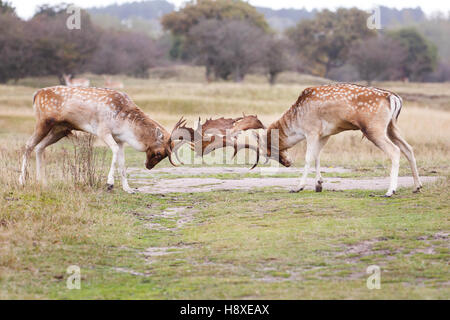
point(407, 150)
point(393, 152)
point(52, 137)
point(313, 147)
point(39, 133)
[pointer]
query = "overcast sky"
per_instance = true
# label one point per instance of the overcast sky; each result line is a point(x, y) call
point(26, 8)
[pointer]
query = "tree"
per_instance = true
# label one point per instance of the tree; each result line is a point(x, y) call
point(421, 54)
point(204, 45)
point(276, 58)
point(126, 52)
point(6, 7)
point(180, 22)
point(324, 41)
point(15, 45)
point(56, 49)
point(227, 48)
point(378, 58)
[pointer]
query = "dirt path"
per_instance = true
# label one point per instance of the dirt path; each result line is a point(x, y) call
point(199, 184)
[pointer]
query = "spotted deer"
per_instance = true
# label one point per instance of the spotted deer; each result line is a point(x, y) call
point(323, 111)
point(112, 84)
point(110, 115)
point(75, 82)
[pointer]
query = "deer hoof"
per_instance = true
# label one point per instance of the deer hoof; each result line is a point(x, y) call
point(109, 187)
point(319, 188)
point(296, 190)
point(389, 194)
point(417, 190)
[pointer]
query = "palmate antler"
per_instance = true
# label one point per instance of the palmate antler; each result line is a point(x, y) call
point(181, 133)
point(219, 133)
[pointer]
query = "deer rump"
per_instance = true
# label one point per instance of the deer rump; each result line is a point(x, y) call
point(216, 134)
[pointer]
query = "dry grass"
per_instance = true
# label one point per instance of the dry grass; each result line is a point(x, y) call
point(424, 122)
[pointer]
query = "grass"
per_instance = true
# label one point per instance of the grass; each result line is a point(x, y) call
point(266, 245)
point(259, 244)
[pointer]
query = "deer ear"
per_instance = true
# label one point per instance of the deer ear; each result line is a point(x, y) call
point(159, 134)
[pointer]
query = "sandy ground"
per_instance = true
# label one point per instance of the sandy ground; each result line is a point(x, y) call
point(199, 184)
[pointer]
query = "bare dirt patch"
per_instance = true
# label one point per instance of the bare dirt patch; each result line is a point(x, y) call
point(198, 184)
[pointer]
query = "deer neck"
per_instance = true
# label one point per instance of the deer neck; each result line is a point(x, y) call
point(288, 129)
point(141, 132)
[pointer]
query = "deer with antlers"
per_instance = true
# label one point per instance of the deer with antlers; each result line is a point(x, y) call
point(323, 111)
point(75, 82)
point(110, 115)
point(219, 133)
point(109, 83)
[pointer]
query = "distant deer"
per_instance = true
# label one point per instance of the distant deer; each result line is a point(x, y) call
point(75, 82)
point(112, 84)
point(323, 111)
point(110, 115)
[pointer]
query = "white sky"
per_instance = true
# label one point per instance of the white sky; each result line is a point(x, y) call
point(26, 8)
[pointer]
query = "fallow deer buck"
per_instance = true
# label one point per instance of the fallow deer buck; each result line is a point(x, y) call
point(110, 115)
point(111, 84)
point(75, 82)
point(323, 111)
point(220, 133)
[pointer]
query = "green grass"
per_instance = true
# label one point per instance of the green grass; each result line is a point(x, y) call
point(267, 245)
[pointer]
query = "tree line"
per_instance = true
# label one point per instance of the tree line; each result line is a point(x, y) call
point(44, 46)
point(230, 38)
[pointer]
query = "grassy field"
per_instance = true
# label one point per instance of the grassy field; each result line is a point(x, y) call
point(257, 244)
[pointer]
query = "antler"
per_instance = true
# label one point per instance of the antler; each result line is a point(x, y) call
point(173, 136)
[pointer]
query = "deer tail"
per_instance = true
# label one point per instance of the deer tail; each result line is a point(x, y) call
point(396, 106)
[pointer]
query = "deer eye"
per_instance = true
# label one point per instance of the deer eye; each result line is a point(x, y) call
point(158, 154)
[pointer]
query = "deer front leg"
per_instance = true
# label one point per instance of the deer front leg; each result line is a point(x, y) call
point(312, 150)
point(112, 144)
point(123, 170)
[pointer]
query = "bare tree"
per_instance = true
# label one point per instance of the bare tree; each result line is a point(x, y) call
point(378, 58)
point(203, 46)
point(126, 52)
point(241, 49)
point(276, 57)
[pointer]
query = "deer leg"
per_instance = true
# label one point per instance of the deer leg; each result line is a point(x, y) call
point(407, 150)
point(39, 133)
point(319, 180)
point(312, 151)
point(112, 144)
point(52, 137)
point(393, 152)
point(123, 170)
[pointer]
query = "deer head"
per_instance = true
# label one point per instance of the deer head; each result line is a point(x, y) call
point(270, 148)
point(164, 144)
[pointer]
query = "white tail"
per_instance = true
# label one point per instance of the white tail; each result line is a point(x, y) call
point(110, 115)
point(321, 112)
point(76, 82)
